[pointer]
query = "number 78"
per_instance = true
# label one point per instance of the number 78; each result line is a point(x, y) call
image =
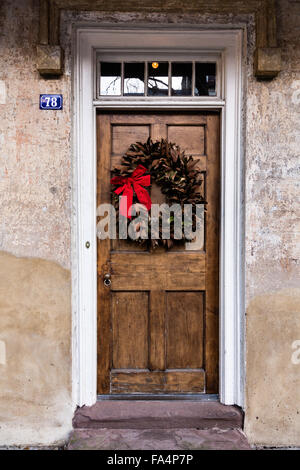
point(51, 101)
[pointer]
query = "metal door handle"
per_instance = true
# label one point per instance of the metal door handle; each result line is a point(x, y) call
point(107, 280)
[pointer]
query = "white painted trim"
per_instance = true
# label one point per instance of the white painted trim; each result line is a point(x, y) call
point(157, 103)
point(229, 43)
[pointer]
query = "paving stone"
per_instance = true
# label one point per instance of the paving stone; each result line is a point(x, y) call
point(158, 439)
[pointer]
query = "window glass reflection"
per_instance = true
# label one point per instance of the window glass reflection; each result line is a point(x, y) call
point(182, 78)
point(134, 75)
point(129, 80)
point(110, 79)
point(205, 79)
point(158, 80)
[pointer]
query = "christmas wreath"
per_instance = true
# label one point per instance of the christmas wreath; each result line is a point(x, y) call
point(167, 165)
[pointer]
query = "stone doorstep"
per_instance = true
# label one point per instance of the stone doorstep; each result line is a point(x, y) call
point(139, 414)
point(158, 439)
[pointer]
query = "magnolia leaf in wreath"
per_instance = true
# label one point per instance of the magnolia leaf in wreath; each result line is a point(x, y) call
point(174, 172)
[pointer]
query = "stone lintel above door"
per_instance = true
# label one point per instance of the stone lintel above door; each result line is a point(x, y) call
point(267, 57)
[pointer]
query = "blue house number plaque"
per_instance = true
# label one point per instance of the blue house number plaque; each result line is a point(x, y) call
point(51, 101)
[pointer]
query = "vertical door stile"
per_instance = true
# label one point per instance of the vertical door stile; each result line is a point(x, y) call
point(103, 257)
point(212, 252)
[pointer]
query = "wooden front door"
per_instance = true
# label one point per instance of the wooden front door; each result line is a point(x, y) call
point(158, 321)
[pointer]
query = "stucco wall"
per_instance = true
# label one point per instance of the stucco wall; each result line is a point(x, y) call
point(35, 285)
point(35, 192)
point(273, 244)
point(35, 403)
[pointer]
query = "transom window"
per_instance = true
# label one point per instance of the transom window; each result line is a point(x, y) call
point(156, 78)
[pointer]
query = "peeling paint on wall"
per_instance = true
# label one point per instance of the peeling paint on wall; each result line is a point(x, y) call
point(2, 353)
point(295, 358)
point(2, 92)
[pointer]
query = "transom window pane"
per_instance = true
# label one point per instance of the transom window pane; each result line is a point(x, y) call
point(134, 74)
point(182, 79)
point(158, 79)
point(205, 79)
point(110, 79)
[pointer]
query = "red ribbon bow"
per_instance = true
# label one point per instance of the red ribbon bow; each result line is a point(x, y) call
point(137, 180)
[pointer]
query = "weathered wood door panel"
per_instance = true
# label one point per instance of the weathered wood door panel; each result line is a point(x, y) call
point(158, 321)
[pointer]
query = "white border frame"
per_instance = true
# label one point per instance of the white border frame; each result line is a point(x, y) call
point(84, 271)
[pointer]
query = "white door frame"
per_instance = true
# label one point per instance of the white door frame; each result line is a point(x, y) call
point(228, 42)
